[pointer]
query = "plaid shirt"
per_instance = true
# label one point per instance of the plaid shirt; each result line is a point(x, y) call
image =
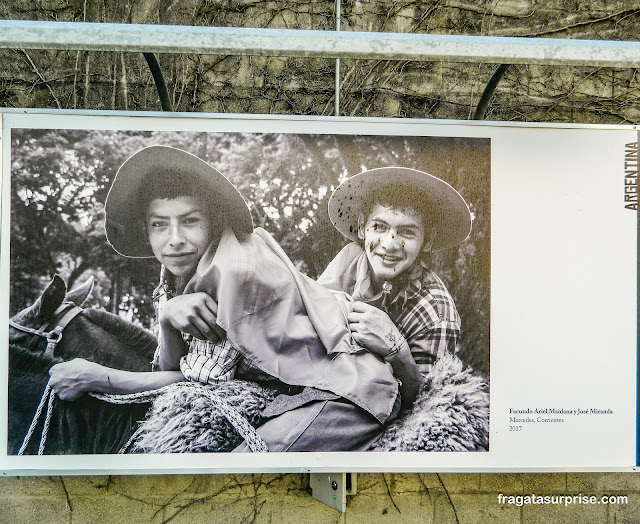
point(424, 312)
point(207, 362)
point(417, 302)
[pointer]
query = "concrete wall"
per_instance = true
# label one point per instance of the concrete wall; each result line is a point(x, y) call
point(91, 80)
point(420, 498)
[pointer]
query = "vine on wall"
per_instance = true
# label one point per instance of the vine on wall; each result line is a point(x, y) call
point(206, 83)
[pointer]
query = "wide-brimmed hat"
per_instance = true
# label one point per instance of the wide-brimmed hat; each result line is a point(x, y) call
point(447, 209)
point(122, 214)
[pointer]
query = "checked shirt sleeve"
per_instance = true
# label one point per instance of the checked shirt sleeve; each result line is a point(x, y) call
point(432, 342)
point(431, 326)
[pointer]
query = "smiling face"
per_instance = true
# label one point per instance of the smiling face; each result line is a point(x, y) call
point(393, 240)
point(179, 232)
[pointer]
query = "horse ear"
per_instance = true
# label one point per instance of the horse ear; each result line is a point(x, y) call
point(79, 294)
point(50, 299)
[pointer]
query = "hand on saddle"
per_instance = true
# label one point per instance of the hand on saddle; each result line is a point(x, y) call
point(193, 313)
point(372, 329)
point(70, 380)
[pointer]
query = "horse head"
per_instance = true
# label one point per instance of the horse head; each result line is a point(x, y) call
point(86, 425)
point(55, 323)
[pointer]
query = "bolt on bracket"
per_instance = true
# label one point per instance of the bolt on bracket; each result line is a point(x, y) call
point(332, 488)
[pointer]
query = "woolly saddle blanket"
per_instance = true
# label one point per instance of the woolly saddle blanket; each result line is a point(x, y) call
point(451, 413)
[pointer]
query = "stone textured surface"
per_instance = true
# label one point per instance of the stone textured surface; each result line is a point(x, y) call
point(419, 498)
point(94, 80)
point(304, 86)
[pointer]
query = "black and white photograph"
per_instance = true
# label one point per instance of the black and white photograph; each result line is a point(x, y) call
point(280, 294)
point(185, 292)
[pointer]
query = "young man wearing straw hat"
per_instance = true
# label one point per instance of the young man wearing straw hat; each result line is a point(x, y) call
point(400, 310)
point(403, 312)
point(237, 293)
point(167, 204)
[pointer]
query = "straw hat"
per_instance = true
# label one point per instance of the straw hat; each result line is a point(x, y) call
point(124, 231)
point(449, 210)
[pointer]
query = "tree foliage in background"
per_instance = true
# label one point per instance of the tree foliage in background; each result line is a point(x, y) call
point(59, 183)
point(60, 180)
point(58, 225)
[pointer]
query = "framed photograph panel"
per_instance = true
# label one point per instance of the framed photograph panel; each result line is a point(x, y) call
point(474, 308)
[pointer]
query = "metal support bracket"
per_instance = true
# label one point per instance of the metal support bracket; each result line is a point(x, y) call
point(332, 488)
point(483, 104)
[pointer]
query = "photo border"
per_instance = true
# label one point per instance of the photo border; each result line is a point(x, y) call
point(278, 462)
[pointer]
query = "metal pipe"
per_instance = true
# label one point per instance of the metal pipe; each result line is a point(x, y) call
point(23, 34)
point(158, 78)
point(337, 112)
point(483, 104)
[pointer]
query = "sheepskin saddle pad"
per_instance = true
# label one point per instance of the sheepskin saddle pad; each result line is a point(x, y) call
point(184, 419)
point(451, 413)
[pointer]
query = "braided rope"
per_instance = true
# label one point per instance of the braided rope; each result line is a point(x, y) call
point(235, 418)
point(129, 398)
point(246, 430)
point(131, 440)
point(47, 422)
point(47, 396)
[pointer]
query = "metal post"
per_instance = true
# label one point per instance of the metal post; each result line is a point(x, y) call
point(158, 78)
point(338, 8)
point(497, 75)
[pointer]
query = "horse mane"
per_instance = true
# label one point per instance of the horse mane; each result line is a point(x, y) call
point(136, 336)
point(30, 361)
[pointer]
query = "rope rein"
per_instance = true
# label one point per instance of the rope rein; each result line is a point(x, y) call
point(70, 310)
point(47, 396)
point(47, 421)
point(235, 418)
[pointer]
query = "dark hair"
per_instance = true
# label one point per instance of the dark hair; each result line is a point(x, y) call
point(170, 185)
point(401, 198)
